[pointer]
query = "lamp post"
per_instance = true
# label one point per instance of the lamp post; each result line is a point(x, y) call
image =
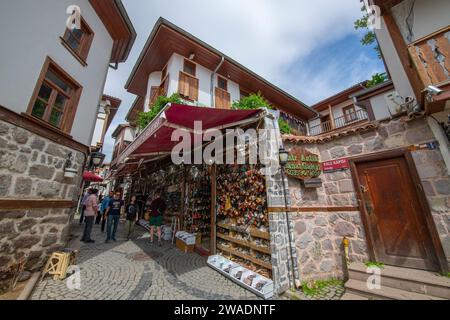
point(96, 159)
point(283, 158)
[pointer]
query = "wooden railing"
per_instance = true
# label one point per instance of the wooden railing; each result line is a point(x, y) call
point(339, 122)
point(431, 57)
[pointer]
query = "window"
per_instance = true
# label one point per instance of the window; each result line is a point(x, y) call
point(55, 98)
point(222, 83)
point(163, 73)
point(243, 94)
point(189, 68)
point(349, 113)
point(78, 41)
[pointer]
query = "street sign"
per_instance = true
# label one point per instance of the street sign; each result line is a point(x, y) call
point(335, 165)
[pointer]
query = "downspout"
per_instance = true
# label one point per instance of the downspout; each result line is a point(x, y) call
point(212, 80)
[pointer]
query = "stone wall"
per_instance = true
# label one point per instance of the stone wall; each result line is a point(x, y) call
point(32, 167)
point(319, 234)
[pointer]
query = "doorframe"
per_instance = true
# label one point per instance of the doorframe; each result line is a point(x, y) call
point(418, 187)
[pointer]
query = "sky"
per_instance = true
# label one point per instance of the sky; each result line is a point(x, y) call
point(310, 49)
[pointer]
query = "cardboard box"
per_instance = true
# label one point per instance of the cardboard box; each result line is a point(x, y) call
point(184, 247)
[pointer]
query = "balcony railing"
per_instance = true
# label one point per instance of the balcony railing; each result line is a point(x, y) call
point(431, 57)
point(339, 122)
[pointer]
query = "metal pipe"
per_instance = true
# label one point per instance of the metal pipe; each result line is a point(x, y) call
point(288, 228)
point(212, 80)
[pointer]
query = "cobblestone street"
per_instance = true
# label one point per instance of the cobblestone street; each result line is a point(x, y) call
point(136, 270)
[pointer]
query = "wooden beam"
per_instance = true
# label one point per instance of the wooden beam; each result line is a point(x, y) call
point(333, 124)
point(314, 209)
point(41, 129)
point(17, 204)
point(403, 54)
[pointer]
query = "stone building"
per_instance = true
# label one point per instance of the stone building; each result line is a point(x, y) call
point(324, 216)
point(48, 108)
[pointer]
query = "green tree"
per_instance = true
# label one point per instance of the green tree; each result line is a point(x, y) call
point(257, 101)
point(377, 78)
point(145, 118)
point(369, 38)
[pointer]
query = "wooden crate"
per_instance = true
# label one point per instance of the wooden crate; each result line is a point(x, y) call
point(184, 247)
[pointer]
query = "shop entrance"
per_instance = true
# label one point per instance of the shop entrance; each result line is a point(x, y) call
point(398, 224)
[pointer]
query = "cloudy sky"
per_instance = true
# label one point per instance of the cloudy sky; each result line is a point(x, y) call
point(308, 48)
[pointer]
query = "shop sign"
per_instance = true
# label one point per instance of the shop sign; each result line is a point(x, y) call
point(335, 165)
point(303, 164)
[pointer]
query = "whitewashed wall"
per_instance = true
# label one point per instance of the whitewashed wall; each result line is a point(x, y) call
point(379, 106)
point(29, 32)
point(154, 80)
point(428, 17)
point(98, 132)
point(398, 75)
point(175, 65)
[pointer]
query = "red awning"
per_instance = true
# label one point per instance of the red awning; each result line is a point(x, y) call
point(155, 140)
point(91, 177)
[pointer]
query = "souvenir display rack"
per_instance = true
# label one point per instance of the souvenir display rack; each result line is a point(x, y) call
point(197, 213)
point(242, 218)
point(173, 193)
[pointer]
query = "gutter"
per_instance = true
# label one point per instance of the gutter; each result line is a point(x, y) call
point(212, 80)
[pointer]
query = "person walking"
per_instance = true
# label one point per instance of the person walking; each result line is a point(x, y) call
point(157, 208)
point(113, 212)
point(131, 211)
point(89, 215)
point(104, 205)
point(83, 204)
point(99, 216)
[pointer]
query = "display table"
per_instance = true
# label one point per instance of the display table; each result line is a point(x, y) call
point(250, 280)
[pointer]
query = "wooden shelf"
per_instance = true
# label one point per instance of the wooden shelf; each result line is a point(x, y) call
point(253, 232)
point(231, 239)
point(246, 257)
point(265, 250)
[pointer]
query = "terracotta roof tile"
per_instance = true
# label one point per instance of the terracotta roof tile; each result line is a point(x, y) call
point(367, 126)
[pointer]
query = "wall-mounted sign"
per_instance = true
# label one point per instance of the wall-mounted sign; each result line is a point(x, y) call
point(303, 164)
point(335, 165)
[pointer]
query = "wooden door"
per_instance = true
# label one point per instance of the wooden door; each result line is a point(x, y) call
point(398, 231)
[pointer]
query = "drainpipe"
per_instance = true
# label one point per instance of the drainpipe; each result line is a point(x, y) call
point(212, 80)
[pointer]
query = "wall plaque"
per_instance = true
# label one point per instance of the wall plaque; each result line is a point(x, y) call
point(302, 164)
point(335, 165)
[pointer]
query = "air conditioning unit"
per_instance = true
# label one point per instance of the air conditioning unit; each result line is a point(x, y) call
point(397, 104)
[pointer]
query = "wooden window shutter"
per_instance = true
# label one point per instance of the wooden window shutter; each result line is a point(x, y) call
point(183, 85)
point(188, 86)
point(223, 99)
point(193, 89)
point(153, 95)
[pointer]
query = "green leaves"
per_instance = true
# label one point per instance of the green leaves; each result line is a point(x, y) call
point(370, 264)
point(284, 126)
point(377, 78)
point(145, 118)
point(369, 37)
point(253, 101)
point(257, 101)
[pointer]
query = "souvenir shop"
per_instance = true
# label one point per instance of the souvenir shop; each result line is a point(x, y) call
point(222, 209)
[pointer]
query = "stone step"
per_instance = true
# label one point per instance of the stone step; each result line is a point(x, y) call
point(352, 296)
point(418, 281)
point(357, 287)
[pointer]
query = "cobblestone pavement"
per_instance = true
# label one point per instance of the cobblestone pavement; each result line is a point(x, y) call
point(135, 269)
